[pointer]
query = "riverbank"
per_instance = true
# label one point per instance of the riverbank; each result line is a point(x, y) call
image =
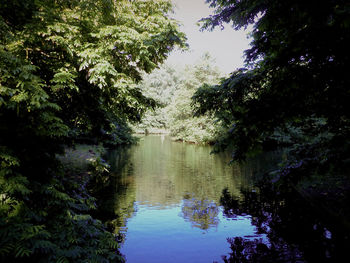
point(164, 132)
point(85, 174)
point(78, 159)
point(155, 131)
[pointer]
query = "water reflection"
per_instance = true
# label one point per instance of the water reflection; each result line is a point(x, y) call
point(163, 172)
point(166, 201)
point(296, 231)
point(116, 196)
point(201, 213)
point(174, 202)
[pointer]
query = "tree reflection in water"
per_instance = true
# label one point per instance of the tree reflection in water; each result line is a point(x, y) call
point(201, 213)
point(244, 250)
point(115, 192)
point(296, 231)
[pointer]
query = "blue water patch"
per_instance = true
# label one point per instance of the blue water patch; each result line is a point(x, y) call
point(164, 235)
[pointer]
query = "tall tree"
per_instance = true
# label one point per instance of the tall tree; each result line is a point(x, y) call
point(92, 54)
point(160, 85)
point(183, 125)
point(67, 69)
point(295, 90)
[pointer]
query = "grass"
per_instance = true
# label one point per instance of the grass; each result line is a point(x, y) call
point(78, 159)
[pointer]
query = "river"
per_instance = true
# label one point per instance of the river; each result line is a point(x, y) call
point(177, 202)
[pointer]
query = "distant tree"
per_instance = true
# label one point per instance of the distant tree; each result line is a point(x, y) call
point(160, 85)
point(183, 124)
point(296, 90)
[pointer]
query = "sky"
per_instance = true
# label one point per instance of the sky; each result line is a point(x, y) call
point(226, 46)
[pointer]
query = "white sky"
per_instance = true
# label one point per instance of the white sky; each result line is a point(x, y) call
point(226, 46)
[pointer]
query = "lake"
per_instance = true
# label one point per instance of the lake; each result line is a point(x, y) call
point(176, 202)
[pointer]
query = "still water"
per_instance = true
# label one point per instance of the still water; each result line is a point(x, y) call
point(176, 202)
point(172, 192)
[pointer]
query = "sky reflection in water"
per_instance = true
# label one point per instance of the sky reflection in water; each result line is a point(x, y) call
point(155, 235)
point(175, 190)
point(175, 202)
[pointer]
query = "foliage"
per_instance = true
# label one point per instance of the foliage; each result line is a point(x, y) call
point(68, 71)
point(52, 224)
point(91, 53)
point(172, 88)
point(295, 91)
point(160, 85)
point(183, 125)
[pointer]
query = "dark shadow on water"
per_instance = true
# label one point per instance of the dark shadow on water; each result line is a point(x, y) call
point(114, 191)
point(296, 231)
point(244, 250)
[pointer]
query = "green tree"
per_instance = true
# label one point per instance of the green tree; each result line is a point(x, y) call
point(295, 91)
point(68, 69)
point(160, 85)
point(91, 54)
point(183, 125)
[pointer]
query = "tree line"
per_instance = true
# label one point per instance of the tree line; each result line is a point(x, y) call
point(172, 88)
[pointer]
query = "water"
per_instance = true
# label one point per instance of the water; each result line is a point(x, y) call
point(175, 202)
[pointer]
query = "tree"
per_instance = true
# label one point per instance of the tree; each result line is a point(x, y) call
point(160, 85)
point(92, 54)
point(183, 125)
point(68, 69)
point(294, 90)
point(172, 87)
